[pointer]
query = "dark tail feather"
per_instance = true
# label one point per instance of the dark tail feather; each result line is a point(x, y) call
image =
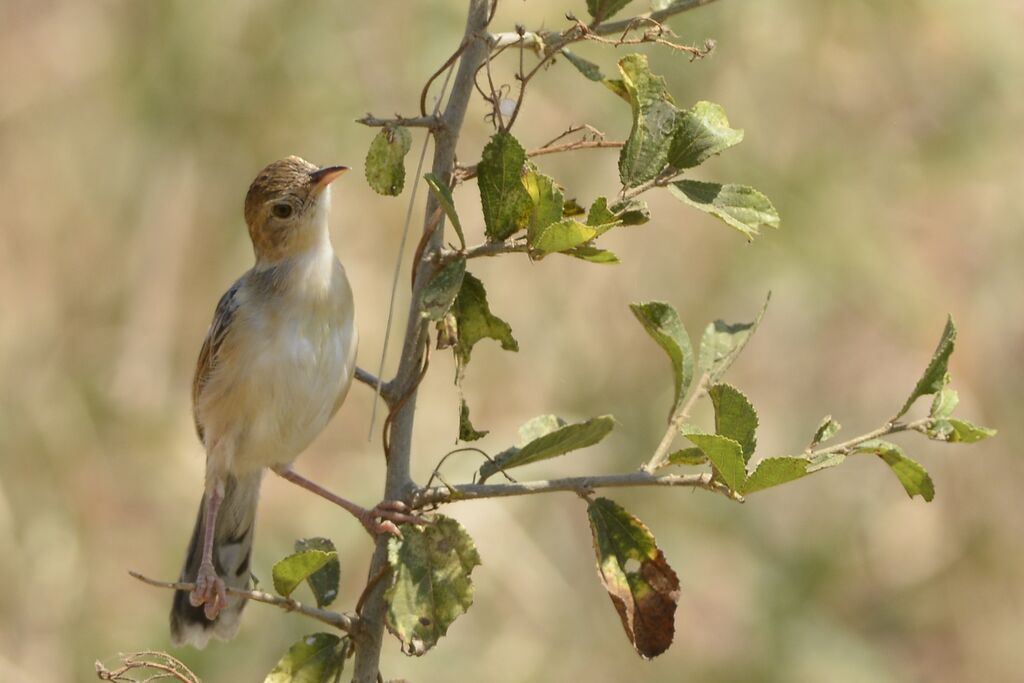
point(232, 551)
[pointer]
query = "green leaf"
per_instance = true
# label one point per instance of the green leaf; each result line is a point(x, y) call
point(726, 455)
point(740, 206)
point(385, 160)
point(722, 343)
point(600, 216)
point(593, 254)
point(944, 404)
point(688, 456)
point(912, 475)
point(631, 211)
point(735, 417)
point(474, 321)
point(773, 472)
point(316, 658)
point(506, 203)
point(439, 294)
point(562, 236)
point(443, 194)
point(701, 131)
point(324, 581)
point(664, 326)
point(466, 430)
point(548, 202)
point(585, 67)
point(642, 586)
point(644, 155)
point(605, 9)
point(550, 438)
point(936, 375)
point(825, 431)
point(297, 567)
point(958, 431)
point(430, 582)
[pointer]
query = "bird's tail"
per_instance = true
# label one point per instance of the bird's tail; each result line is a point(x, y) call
point(232, 551)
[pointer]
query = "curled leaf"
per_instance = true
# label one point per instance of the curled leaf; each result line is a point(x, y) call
point(642, 586)
point(936, 375)
point(297, 567)
point(324, 581)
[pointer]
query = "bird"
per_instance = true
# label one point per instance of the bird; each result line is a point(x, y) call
point(276, 364)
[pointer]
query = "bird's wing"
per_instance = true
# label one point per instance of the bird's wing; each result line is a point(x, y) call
point(215, 336)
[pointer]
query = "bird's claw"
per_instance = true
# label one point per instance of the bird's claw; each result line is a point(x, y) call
point(387, 515)
point(210, 591)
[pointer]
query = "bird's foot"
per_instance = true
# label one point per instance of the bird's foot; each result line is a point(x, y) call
point(210, 591)
point(386, 516)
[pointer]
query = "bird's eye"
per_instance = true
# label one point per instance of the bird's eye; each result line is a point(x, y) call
point(281, 210)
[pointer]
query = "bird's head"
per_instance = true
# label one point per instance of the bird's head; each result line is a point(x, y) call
point(286, 207)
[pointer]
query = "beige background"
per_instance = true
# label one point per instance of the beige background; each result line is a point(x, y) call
point(888, 135)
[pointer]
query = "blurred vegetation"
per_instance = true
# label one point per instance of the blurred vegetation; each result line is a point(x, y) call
point(887, 134)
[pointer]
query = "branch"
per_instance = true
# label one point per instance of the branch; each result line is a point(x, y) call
point(431, 122)
point(486, 249)
point(581, 485)
point(894, 427)
point(372, 381)
point(339, 620)
point(168, 667)
point(661, 452)
point(399, 484)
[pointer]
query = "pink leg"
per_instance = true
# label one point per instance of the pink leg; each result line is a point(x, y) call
point(210, 590)
point(381, 519)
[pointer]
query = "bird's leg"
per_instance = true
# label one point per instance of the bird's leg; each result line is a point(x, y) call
point(381, 519)
point(210, 590)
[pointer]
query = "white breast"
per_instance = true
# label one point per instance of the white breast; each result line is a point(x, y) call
point(295, 360)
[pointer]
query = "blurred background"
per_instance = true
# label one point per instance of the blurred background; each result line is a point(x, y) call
point(889, 137)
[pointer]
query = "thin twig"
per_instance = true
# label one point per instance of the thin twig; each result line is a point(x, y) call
point(660, 455)
point(339, 620)
point(660, 16)
point(886, 429)
point(431, 122)
point(449, 494)
point(168, 666)
point(469, 172)
point(372, 381)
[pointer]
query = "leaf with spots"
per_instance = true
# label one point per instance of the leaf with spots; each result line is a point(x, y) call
point(385, 160)
point(324, 581)
point(430, 582)
point(701, 131)
point(645, 153)
point(316, 658)
point(642, 586)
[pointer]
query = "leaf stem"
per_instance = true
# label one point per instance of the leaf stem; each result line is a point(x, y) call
point(339, 620)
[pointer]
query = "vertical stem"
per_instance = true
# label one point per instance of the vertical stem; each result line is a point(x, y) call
point(399, 481)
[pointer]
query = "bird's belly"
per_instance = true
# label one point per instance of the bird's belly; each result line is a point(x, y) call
point(291, 387)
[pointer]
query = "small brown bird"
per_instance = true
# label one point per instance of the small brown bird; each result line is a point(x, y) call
point(276, 365)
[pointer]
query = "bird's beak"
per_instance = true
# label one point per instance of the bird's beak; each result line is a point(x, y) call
point(325, 176)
